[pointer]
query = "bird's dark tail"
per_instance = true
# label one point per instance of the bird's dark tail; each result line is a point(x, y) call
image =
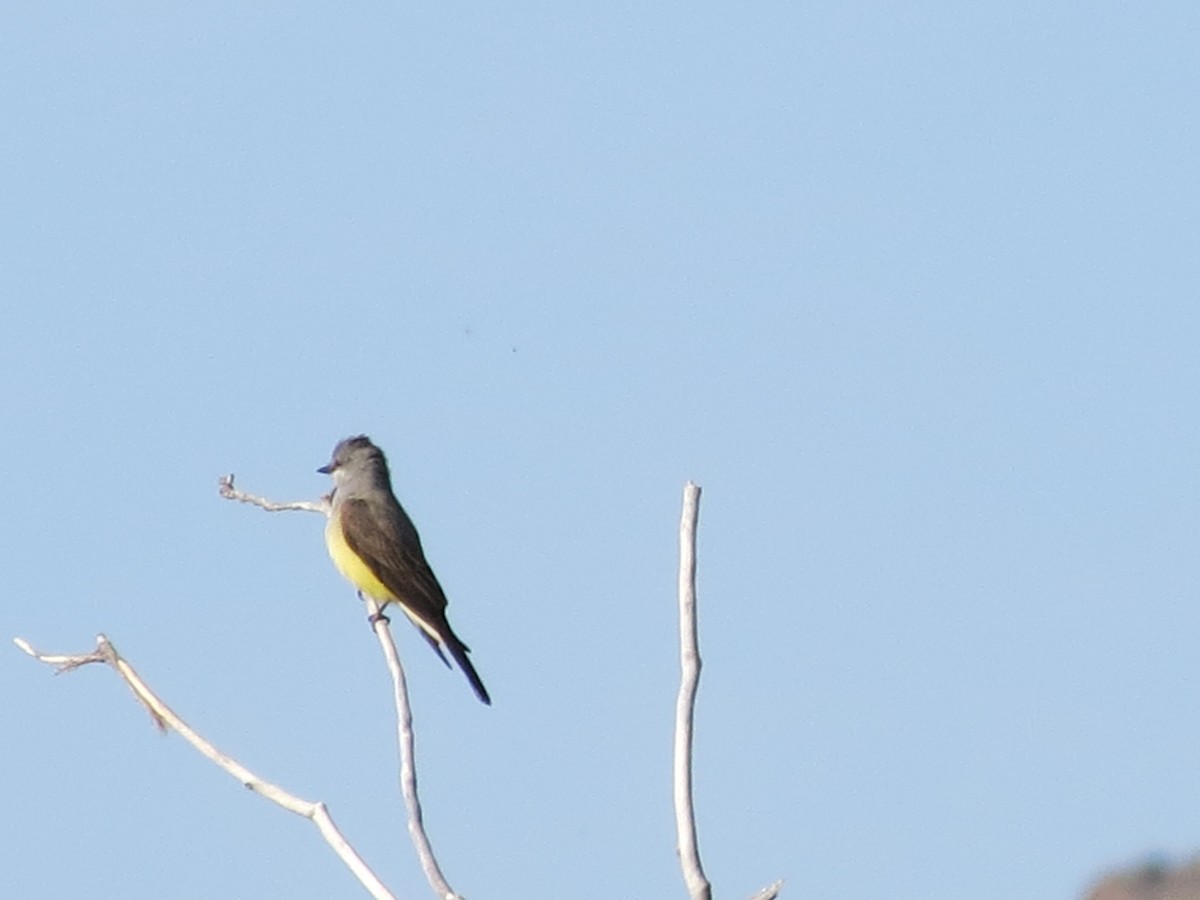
point(446, 638)
point(459, 651)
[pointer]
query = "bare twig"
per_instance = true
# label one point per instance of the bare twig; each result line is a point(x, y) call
point(229, 492)
point(408, 772)
point(770, 892)
point(685, 707)
point(164, 717)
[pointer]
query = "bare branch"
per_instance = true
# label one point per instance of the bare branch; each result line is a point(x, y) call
point(770, 892)
point(229, 492)
point(408, 772)
point(685, 707)
point(164, 717)
point(697, 883)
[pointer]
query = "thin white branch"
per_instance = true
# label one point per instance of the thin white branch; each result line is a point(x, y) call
point(164, 717)
point(408, 772)
point(685, 706)
point(694, 878)
point(229, 492)
point(770, 892)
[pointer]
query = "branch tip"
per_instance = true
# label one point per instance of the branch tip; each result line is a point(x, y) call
point(770, 892)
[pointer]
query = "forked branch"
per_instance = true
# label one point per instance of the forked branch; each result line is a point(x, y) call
point(165, 718)
point(404, 730)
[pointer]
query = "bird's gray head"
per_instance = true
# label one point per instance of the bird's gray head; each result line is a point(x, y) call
point(352, 456)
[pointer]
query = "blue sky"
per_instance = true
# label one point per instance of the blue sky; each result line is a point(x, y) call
point(909, 289)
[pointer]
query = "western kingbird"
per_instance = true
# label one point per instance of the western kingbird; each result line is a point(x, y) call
point(375, 545)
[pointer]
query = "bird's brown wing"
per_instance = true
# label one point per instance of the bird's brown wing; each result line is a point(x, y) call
point(386, 540)
point(388, 543)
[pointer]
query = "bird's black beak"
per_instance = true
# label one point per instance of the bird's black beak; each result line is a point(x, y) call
point(326, 469)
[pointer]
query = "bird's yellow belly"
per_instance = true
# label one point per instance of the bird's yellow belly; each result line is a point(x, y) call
point(357, 572)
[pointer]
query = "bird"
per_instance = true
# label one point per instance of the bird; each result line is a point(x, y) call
point(376, 547)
